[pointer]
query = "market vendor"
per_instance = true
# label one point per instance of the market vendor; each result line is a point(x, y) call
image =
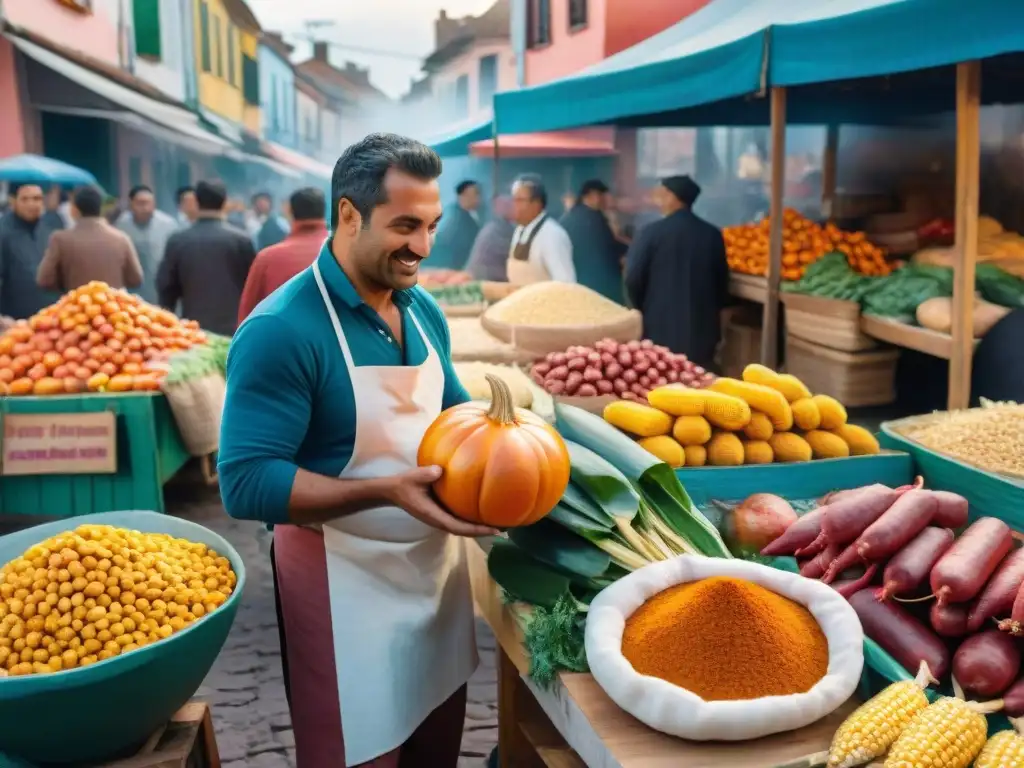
point(541, 249)
point(677, 276)
point(331, 384)
point(24, 236)
point(597, 253)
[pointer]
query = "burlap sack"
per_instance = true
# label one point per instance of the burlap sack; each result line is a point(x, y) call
point(197, 406)
point(542, 339)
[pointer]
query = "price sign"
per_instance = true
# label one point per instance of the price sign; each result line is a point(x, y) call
point(59, 444)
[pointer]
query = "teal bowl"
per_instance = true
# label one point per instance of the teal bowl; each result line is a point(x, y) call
point(107, 710)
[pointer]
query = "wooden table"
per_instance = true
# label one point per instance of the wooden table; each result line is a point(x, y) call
point(749, 287)
point(576, 725)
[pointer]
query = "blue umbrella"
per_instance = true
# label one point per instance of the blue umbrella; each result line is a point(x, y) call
point(34, 169)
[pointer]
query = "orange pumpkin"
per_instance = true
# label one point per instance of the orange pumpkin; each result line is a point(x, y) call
point(503, 466)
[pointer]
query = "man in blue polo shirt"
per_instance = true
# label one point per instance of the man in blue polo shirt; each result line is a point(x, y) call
point(332, 382)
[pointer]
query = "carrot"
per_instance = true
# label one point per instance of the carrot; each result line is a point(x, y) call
point(999, 594)
point(844, 520)
point(898, 526)
point(962, 572)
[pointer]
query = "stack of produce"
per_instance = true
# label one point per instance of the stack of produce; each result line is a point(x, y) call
point(460, 294)
point(625, 369)
point(767, 417)
point(472, 342)
point(94, 339)
point(803, 243)
point(621, 510)
point(474, 378)
point(98, 592)
point(556, 304)
point(996, 247)
point(990, 438)
point(882, 548)
point(433, 278)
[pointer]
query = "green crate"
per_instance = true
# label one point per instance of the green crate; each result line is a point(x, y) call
point(989, 494)
point(806, 480)
point(149, 453)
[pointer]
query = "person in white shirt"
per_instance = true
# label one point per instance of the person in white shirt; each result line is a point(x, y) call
point(541, 249)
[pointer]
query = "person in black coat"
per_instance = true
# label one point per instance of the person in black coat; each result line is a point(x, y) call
point(596, 252)
point(205, 266)
point(998, 364)
point(677, 276)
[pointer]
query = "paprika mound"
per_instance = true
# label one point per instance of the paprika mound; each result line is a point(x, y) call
point(724, 638)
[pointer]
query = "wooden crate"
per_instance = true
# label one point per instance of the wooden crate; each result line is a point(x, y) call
point(855, 379)
point(741, 340)
point(832, 323)
point(187, 741)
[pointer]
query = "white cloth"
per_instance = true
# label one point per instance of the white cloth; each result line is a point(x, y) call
point(401, 602)
point(551, 249)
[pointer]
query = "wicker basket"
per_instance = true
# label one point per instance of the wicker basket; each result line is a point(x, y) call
point(197, 406)
point(830, 323)
point(556, 338)
point(855, 379)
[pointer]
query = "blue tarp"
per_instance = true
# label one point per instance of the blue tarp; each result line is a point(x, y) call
point(455, 142)
point(713, 67)
point(35, 169)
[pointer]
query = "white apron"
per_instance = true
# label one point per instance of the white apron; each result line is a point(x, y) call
point(401, 603)
point(521, 270)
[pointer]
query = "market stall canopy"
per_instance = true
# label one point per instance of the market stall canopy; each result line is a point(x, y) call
point(33, 169)
point(107, 98)
point(586, 142)
point(297, 160)
point(456, 141)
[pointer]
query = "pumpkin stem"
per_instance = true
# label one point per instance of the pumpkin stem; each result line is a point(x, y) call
point(503, 410)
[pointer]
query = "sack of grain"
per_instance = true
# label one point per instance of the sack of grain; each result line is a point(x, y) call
point(551, 316)
point(197, 405)
point(473, 378)
point(472, 343)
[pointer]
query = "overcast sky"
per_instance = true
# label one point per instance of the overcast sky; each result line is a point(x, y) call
point(402, 27)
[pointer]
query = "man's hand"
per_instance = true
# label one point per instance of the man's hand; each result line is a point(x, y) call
point(411, 491)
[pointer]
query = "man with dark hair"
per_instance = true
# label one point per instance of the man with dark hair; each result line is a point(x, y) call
point(332, 384)
point(93, 250)
point(265, 227)
point(677, 276)
point(458, 229)
point(58, 209)
point(276, 265)
point(187, 208)
point(149, 230)
point(23, 240)
point(541, 250)
point(489, 258)
point(205, 266)
point(597, 254)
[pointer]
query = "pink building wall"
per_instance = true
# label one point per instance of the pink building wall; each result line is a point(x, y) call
point(568, 51)
point(94, 33)
point(12, 126)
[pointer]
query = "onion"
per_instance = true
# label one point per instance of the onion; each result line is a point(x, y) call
point(756, 522)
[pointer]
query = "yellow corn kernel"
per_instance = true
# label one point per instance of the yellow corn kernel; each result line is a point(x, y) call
point(806, 414)
point(872, 728)
point(825, 445)
point(789, 447)
point(1004, 749)
point(637, 418)
point(860, 440)
point(790, 386)
point(760, 397)
point(720, 410)
point(946, 734)
point(725, 450)
point(759, 428)
point(665, 448)
point(691, 430)
point(757, 452)
point(696, 455)
point(833, 414)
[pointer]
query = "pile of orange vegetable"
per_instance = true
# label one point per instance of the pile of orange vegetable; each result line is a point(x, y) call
point(94, 339)
point(803, 242)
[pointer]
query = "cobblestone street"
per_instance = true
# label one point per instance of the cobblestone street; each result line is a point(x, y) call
point(245, 687)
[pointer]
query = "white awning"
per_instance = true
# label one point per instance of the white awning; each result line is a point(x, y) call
point(298, 160)
point(178, 121)
point(228, 129)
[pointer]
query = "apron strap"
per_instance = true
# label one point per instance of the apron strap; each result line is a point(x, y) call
point(335, 322)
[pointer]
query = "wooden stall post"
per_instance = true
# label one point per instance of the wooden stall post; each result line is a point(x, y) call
point(828, 172)
point(968, 164)
point(770, 321)
point(496, 163)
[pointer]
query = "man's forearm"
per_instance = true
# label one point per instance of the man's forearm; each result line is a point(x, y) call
point(318, 499)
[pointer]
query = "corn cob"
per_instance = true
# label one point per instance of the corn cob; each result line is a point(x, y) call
point(790, 386)
point(788, 447)
point(696, 455)
point(947, 734)
point(877, 723)
point(860, 440)
point(825, 445)
point(691, 430)
point(833, 414)
point(806, 414)
point(757, 452)
point(725, 450)
point(765, 399)
point(1004, 750)
point(664, 448)
point(720, 410)
point(760, 426)
point(637, 418)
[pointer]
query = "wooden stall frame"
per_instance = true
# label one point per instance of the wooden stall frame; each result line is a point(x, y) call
point(770, 324)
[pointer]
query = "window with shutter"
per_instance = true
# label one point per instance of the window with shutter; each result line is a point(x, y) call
point(218, 48)
point(462, 96)
point(231, 55)
point(146, 14)
point(204, 33)
point(538, 23)
point(577, 14)
point(488, 80)
point(251, 80)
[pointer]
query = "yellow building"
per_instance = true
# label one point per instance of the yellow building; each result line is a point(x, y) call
point(227, 61)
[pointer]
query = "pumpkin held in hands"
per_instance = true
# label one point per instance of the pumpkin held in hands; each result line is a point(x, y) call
point(503, 466)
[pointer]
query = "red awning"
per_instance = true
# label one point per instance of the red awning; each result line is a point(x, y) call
point(587, 142)
point(297, 160)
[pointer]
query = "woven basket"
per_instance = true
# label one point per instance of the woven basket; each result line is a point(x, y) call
point(855, 379)
point(197, 406)
point(542, 339)
point(831, 323)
